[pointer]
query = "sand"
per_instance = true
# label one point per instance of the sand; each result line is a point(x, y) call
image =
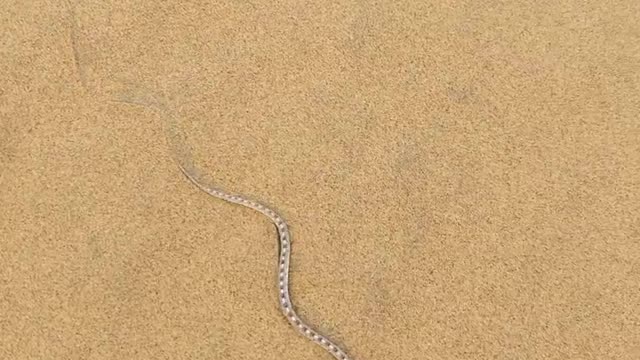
point(461, 179)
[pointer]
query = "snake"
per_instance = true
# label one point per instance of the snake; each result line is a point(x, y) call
point(284, 254)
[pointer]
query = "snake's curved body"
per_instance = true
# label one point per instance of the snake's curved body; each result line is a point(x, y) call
point(284, 240)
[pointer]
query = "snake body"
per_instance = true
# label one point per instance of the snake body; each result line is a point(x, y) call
point(284, 240)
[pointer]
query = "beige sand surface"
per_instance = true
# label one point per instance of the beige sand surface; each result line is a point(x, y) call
point(462, 178)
